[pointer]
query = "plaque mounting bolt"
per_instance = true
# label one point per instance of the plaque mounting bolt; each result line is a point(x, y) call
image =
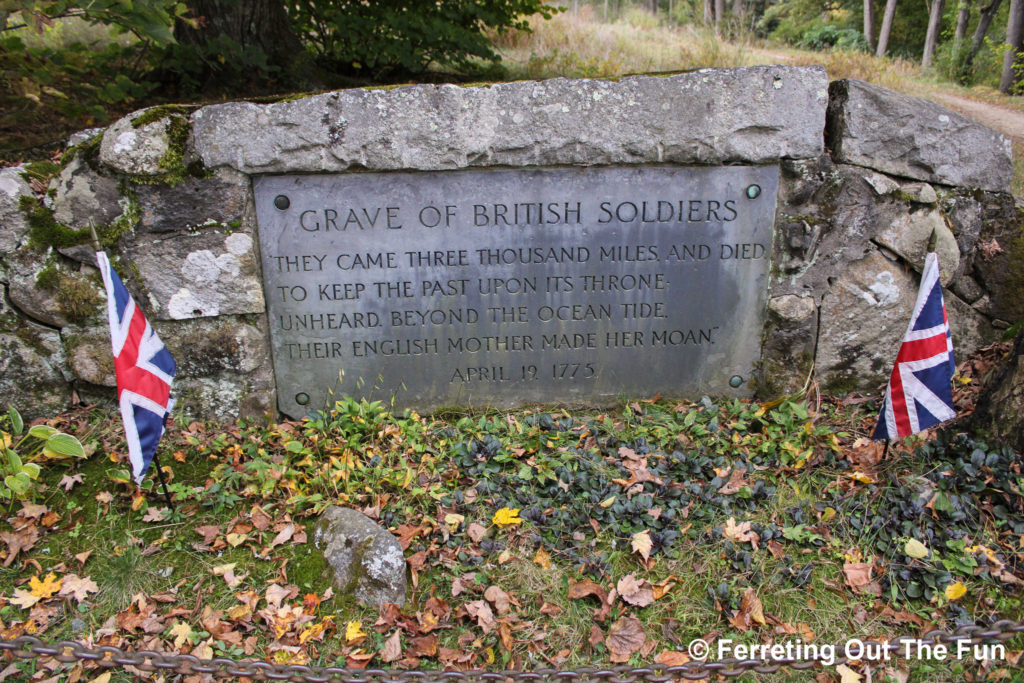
point(302, 399)
point(282, 202)
point(753, 192)
point(736, 381)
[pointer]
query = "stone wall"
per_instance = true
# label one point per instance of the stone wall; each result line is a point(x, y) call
point(867, 176)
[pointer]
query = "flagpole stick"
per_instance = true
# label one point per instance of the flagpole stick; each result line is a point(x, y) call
point(163, 483)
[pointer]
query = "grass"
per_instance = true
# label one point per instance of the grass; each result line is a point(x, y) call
point(567, 474)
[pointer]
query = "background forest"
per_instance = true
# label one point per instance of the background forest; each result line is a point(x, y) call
point(69, 65)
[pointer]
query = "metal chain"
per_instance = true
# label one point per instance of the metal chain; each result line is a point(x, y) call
point(28, 647)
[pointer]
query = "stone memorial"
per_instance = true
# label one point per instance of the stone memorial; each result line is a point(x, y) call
point(725, 231)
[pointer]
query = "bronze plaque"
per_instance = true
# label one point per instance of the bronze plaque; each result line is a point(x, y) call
point(506, 287)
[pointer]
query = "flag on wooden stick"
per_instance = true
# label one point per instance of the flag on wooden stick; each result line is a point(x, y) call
point(920, 390)
point(144, 369)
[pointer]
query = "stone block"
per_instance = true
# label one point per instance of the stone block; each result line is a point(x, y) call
point(13, 222)
point(135, 145)
point(221, 199)
point(204, 274)
point(906, 136)
point(31, 367)
point(84, 198)
point(909, 235)
point(754, 114)
point(47, 289)
point(366, 559)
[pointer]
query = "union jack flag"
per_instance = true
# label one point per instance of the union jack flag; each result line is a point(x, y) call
point(144, 370)
point(920, 391)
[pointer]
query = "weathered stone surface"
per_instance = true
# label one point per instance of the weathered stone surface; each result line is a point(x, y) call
point(31, 360)
point(46, 289)
point(136, 151)
point(366, 559)
point(754, 114)
point(221, 199)
point(906, 136)
point(1000, 409)
point(909, 235)
point(788, 352)
point(89, 355)
point(921, 193)
point(970, 328)
point(968, 289)
point(224, 368)
point(208, 273)
point(999, 263)
point(863, 319)
point(85, 198)
point(13, 223)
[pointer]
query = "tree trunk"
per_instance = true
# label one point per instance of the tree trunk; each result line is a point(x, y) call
point(1014, 35)
point(259, 24)
point(719, 12)
point(963, 18)
point(709, 12)
point(984, 21)
point(737, 8)
point(931, 38)
point(883, 36)
point(654, 7)
point(869, 24)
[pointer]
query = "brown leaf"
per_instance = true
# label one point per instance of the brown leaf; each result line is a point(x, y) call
point(672, 658)
point(18, 541)
point(499, 598)
point(542, 558)
point(750, 612)
point(625, 637)
point(476, 532)
point(637, 593)
point(857, 574)
point(78, 588)
point(68, 481)
point(582, 589)
point(156, 514)
point(739, 533)
point(392, 649)
point(423, 646)
point(284, 535)
point(208, 532)
point(865, 453)
point(550, 609)
point(462, 584)
point(481, 611)
point(260, 519)
point(737, 480)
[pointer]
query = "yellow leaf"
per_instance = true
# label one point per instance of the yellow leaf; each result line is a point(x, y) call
point(354, 632)
point(607, 502)
point(955, 591)
point(542, 558)
point(102, 678)
point(235, 540)
point(847, 675)
point(828, 515)
point(862, 478)
point(642, 544)
point(506, 517)
point(181, 632)
point(452, 521)
point(914, 548)
point(46, 588)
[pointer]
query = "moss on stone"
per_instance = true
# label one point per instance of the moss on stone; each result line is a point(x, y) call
point(77, 298)
point(40, 171)
point(88, 151)
point(44, 230)
point(154, 114)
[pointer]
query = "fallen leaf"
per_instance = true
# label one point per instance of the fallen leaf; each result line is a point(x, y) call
point(506, 517)
point(23, 598)
point(642, 544)
point(82, 557)
point(737, 480)
point(914, 548)
point(18, 541)
point(392, 649)
point(46, 588)
point(68, 481)
point(283, 536)
point(156, 514)
point(847, 675)
point(637, 593)
point(228, 572)
point(423, 646)
point(625, 637)
point(542, 558)
point(481, 611)
point(739, 533)
point(181, 632)
point(78, 588)
point(500, 599)
point(354, 633)
point(582, 589)
point(235, 540)
point(857, 574)
point(955, 591)
point(462, 584)
point(476, 532)
point(750, 612)
point(672, 658)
